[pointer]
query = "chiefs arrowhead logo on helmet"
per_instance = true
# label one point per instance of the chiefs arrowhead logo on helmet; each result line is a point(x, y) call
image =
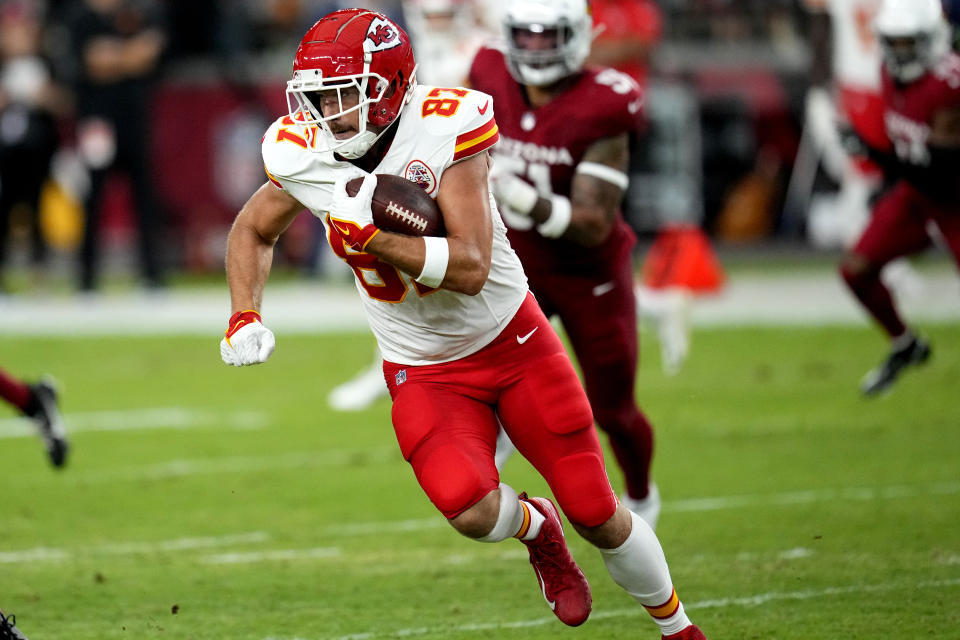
point(383, 36)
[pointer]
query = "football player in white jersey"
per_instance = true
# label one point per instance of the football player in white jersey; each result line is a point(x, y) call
point(845, 87)
point(464, 342)
point(445, 35)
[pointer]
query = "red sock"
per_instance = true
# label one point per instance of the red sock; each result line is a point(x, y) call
point(13, 391)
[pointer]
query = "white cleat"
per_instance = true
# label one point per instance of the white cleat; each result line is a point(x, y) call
point(669, 309)
point(647, 508)
point(360, 392)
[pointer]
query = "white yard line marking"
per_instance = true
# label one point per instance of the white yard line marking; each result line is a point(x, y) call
point(243, 464)
point(747, 601)
point(695, 505)
point(855, 494)
point(272, 555)
point(139, 419)
point(44, 554)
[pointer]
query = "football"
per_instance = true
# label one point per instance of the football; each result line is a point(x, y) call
point(402, 206)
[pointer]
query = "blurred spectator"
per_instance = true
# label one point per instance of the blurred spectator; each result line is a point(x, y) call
point(627, 32)
point(117, 45)
point(445, 34)
point(28, 132)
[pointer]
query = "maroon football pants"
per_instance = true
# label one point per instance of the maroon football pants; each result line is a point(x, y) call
point(599, 316)
point(897, 228)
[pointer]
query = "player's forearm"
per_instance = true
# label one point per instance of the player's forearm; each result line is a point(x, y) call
point(588, 225)
point(248, 261)
point(467, 266)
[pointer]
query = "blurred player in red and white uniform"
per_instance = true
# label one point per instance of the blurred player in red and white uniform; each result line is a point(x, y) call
point(559, 175)
point(445, 35)
point(846, 88)
point(921, 106)
point(465, 344)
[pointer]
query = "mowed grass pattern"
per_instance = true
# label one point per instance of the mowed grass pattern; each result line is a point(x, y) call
point(203, 501)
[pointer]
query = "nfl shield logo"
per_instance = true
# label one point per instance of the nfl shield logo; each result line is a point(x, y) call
point(401, 376)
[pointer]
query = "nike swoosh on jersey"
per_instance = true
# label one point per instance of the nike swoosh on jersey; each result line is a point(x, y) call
point(483, 109)
point(543, 589)
point(526, 337)
point(601, 289)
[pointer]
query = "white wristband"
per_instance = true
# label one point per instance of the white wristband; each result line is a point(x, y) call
point(605, 173)
point(559, 220)
point(436, 255)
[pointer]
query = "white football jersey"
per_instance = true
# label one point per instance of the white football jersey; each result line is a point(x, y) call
point(413, 324)
point(856, 53)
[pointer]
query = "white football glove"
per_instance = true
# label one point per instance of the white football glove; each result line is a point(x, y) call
point(355, 209)
point(822, 122)
point(515, 196)
point(247, 341)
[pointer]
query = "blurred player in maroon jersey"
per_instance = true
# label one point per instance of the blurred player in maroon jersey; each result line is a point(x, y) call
point(921, 94)
point(559, 175)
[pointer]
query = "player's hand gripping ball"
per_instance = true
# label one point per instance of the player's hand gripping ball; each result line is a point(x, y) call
point(402, 206)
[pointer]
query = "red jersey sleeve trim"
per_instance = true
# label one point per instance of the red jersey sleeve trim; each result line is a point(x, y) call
point(473, 142)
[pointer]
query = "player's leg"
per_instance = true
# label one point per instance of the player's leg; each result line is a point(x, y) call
point(39, 403)
point(361, 391)
point(603, 333)
point(449, 440)
point(547, 415)
point(897, 228)
point(8, 627)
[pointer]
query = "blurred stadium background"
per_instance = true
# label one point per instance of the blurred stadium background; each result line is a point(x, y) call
point(792, 509)
point(726, 101)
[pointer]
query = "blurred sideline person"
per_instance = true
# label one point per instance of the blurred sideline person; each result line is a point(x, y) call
point(464, 341)
point(559, 176)
point(29, 102)
point(117, 44)
point(445, 35)
point(39, 403)
point(921, 99)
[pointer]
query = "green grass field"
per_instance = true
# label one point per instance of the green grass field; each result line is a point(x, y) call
point(203, 501)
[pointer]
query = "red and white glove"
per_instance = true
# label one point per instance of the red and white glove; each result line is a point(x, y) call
point(246, 341)
point(351, 218)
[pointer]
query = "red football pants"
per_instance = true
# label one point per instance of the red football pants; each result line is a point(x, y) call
point(445, 418)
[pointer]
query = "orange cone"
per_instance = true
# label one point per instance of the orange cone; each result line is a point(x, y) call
point(681, 256)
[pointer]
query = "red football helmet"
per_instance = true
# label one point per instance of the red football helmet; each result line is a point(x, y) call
point(352, 49)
